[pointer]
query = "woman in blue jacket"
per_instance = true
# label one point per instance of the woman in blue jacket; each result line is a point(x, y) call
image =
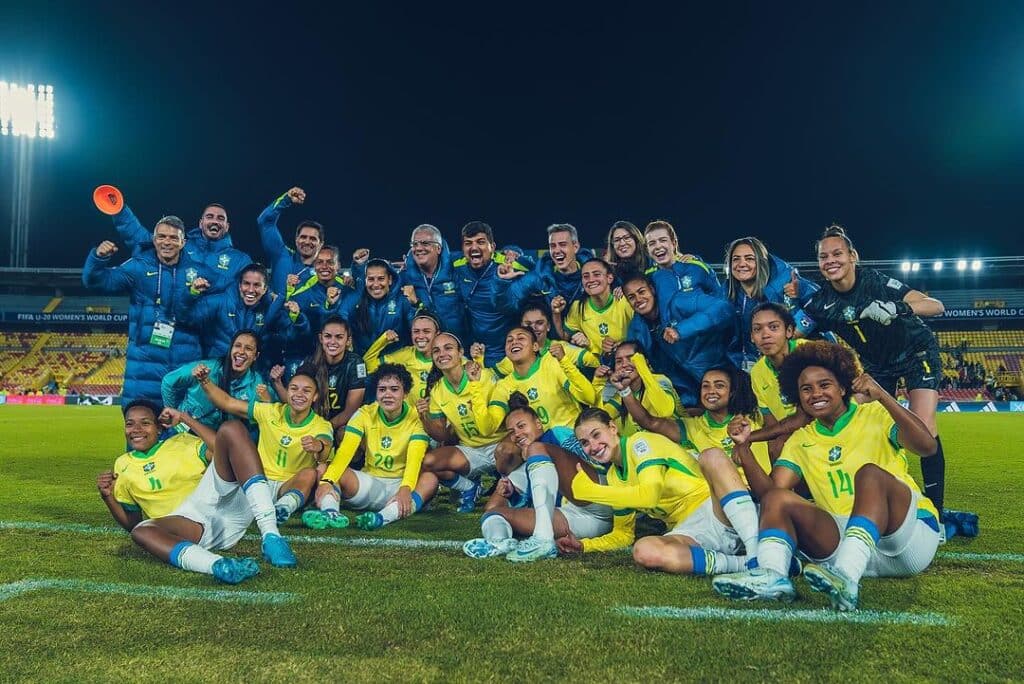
point(240, 380)
point(381, 307)
point(754, 276)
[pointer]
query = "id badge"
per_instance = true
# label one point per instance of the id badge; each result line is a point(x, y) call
point(163, 331)
point(748, 365)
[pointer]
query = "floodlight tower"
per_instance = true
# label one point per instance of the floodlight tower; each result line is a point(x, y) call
point(26, 113)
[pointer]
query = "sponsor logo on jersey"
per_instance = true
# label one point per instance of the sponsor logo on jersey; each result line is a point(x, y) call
point(149, 467)
point(152, 273)
point(385, 442)
point(834, 454)
point(285, 440)
point(829, 306)
point(532, 394)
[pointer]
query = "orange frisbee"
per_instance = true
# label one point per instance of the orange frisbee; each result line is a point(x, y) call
point(108, 199)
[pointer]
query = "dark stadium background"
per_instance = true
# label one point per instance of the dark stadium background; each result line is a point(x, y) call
point(904, 122)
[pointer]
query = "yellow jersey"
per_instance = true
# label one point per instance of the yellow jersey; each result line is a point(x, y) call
point(765, 379)
point(657, 396)
point(828, 459)
point(610, 321)
point(554, 389)
point(704, 432)
point(393, 448)
point(155, 482)
point(280, 445)
point(583, 358)
point(465, 408)
point(657, 477)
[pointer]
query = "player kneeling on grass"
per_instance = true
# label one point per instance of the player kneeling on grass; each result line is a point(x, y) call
point(523, 504)
point(651, 474)
point(231, 494)
point(868, 517)
point(154, 477)
point(293, 439)
point(390, 486)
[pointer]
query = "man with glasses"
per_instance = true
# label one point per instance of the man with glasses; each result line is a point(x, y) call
point(428, 278)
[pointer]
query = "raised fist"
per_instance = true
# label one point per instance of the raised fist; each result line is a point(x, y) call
point(477, 350)
point(276, 372)
point(558, 304)
point(200, 284)
point(297, 195)
point(473, 370)
point(410, 293)
point(292, 280)
point(293, 307)
point(557, 351)
point(361, 255)
point(105, 249)
point(333, 293)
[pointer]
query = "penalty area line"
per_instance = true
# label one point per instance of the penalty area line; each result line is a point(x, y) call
point(820, 616)
point(8, 591)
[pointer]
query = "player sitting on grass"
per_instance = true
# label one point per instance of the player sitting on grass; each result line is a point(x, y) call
point(456, 403)
point(231, 494)
point(390, 486)
point(524, 503)
point(154, 477)
point(868, 517)
point(293, 439)
point(651, 474)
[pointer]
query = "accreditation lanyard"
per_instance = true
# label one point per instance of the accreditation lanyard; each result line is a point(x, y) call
point(159, 286)
point(483, 275)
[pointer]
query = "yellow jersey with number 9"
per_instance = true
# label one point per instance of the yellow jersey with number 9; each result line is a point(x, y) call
point(547, 389)
point(280, 445)
point(828, 459)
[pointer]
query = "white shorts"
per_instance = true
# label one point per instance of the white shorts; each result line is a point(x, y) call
point(481, 460)
point(220, 507)
point(373, 491)
point(907, 551)
point(704, 527)
point(592, 520)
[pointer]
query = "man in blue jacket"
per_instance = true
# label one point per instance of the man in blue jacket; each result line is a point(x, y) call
point(248, 307)
point(155, 277)
point(557, 272)
point(282, 259)
point(430, 276)
point(476, 273)
point(209, 244)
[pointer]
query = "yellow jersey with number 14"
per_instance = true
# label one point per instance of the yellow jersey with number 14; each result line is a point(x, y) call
point(155, 482)
point(828, 459)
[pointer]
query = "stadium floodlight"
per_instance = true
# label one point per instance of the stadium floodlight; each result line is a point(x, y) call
point(26, 110)
point(905, 267)
point(976, 265)
point(916, 266)
point(937, 266)
point(961, 265)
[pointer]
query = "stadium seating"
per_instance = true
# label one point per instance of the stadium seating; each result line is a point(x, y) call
point(32, 360)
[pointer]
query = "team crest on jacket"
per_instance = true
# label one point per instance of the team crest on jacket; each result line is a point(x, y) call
point(686, 283)
point(259, 319)
point(448, 288)
point(190, 275)
point(385, 442)
point(285, 440)
point(834, 454)
point(223, 262)
point(850, 314)
point(532, 394)
point(149, 467)
point(392, 307)
point(463, 410)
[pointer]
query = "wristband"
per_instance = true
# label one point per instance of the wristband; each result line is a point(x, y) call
point(625, 392)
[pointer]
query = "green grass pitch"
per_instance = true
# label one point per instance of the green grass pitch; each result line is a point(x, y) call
point(105, 611)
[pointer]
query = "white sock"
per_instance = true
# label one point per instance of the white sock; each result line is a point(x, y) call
point(331, 502)
point(290, 501)
point(495, 528)
point(543, 488)
point(193, 557)
point(739, 508)
point(775, 550)
point(390, 512)
point(257, 491)
point(856, 547)
point(460, 483)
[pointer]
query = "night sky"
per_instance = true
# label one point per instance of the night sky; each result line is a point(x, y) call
point(904, 123)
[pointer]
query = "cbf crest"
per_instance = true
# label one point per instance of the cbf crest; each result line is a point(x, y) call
point(834, 454)
point(686, 283)
point(149, 467)
point(532, 394)
point(385, 441)
point(850, 314)
point(463, 410)
point(223, 262)
point(392, 307)
point(190, 275)
point(602, 328)
point(448, 288)
point(285, 440)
